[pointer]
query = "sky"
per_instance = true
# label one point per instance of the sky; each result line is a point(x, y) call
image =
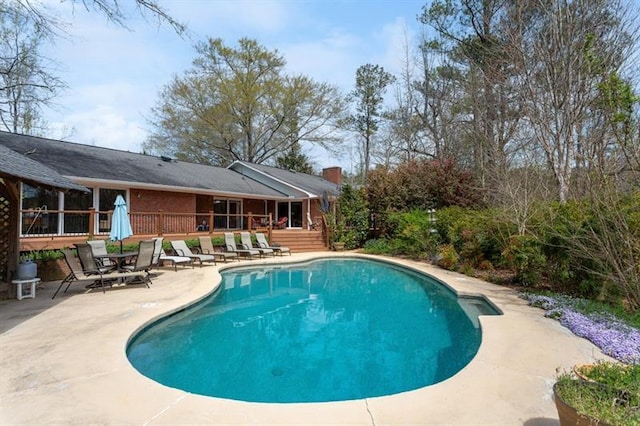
point(114, 75)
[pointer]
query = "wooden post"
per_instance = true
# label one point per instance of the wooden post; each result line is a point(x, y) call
point(270, 227)
point(92, 222)
point(13, 241)
point(250, 223)
point(159, 229)
point(210, 222)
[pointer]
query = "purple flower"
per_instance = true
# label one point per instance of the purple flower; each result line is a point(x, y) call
point(613, 337)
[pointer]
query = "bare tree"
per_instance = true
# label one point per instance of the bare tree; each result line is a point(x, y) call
point(562, 59)
point(439, 92)
point(51, 23)
point(471, 29)
point(27, 84)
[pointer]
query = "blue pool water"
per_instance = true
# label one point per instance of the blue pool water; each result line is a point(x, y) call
point(327, 330)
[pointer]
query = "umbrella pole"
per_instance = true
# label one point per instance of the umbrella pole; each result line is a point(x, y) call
point(120, 246)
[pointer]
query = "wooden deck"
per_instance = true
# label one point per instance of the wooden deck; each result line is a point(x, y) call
point(296, 239)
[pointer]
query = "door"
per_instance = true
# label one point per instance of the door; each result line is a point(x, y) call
point(292, 210)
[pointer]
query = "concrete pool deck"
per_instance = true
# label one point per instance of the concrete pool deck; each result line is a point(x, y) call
point(63, 361)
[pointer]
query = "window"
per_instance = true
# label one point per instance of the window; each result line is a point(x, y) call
point(79, 201)
point(39, 201)
point(227, 214)
point(107, 197)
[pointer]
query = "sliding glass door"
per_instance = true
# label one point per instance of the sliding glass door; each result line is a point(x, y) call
point(292, 210)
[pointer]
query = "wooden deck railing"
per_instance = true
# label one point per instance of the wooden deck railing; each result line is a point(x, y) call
point(37, 223)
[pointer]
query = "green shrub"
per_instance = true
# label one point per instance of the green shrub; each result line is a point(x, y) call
point(485, 265)
point(614, 374)
point(41, 255)
point(379, 246)
point(524, 256)
point(448, 257)
point(477, 235)
point(351, 226)
point(467, 270)
point(415, 235)
point(589, 247)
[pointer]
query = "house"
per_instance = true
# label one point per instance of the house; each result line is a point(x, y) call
point(164, 196)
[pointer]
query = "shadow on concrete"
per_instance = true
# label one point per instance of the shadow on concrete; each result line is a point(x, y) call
point(542, 421)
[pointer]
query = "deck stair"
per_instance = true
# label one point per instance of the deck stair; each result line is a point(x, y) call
point(299, 240)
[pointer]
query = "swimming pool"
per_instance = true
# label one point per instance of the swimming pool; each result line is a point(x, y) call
point(326, 330)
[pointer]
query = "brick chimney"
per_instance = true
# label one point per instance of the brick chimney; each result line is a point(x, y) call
point(333, 174)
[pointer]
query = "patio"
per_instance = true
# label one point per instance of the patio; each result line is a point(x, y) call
point(63, 361)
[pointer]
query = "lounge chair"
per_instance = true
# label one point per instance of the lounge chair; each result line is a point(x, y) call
point(263, 243)
point(159, 256)
point(90, 268)
point(245, 237)
point(76, 274)
point(230, 243)
point(206, 246)
point(181, 249)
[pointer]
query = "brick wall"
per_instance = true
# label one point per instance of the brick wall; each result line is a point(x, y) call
point(145, 201)
point(204, 203)
point(253, 206)
point(151, 201)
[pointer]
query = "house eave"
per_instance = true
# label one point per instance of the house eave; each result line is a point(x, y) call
point(111, 183)
point(270, 177)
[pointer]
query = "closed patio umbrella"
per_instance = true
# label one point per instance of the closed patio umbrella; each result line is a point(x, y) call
point(120, 225)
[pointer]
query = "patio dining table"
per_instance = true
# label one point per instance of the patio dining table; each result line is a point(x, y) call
point(120, 259)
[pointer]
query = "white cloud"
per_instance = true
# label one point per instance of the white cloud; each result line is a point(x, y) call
point(104, 126)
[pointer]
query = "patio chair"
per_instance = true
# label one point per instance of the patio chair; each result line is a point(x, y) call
point(143, 261)
point(99, 248)
point(230, 243)
point(206, 246)
point(245, 237)
point(159, 256)
point(181, 249)
point(263, 243)
point(91, 268)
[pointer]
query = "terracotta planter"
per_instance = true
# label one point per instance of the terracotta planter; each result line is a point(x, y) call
point(582, 372)
point(338, 246)
point(570, 417)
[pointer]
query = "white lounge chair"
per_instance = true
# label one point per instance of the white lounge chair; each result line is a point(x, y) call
point(230, 243)
point(263, 243)
point(181, 249)
point(247, 244)
point(160, 256)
